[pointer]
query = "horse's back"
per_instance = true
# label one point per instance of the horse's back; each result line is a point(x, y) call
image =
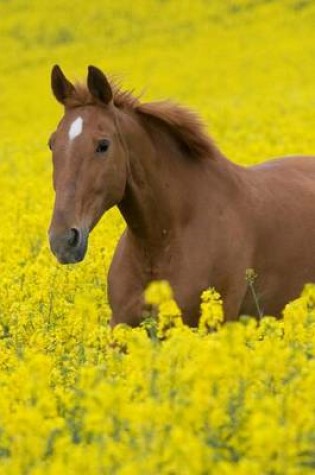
point(284, 224)
point(287, 165)
point(280, 178)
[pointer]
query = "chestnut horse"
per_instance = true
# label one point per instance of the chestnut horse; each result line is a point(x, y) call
point(193, 217)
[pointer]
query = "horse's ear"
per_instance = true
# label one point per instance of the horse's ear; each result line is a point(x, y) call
point(98, 85)
point(61, 87)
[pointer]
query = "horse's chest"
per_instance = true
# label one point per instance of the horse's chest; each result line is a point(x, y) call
point(158, 265)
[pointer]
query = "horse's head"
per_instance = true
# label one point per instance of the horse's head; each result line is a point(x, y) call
point(89, 162)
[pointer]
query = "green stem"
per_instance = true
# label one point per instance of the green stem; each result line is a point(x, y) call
point(251, 286)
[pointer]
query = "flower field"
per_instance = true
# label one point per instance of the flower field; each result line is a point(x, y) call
point(76, 397)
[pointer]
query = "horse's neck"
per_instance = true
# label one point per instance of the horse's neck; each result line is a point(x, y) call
point(164, 187)
point(148, 204)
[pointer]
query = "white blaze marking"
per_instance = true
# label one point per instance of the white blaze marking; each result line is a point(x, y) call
point(76, 128)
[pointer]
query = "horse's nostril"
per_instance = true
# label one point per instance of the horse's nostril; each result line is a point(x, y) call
point(74, 237)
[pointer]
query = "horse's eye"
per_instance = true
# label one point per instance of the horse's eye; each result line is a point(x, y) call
point(102, 146)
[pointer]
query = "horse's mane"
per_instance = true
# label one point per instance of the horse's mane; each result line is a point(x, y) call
point(182, 123)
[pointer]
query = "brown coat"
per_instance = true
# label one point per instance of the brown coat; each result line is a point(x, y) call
point(193, 217)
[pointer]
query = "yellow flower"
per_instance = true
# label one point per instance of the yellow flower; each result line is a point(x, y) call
point(77, 397)
point(160, 295)
point(211, 311)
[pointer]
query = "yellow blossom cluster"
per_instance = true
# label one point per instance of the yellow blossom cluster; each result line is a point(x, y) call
point(77, 397)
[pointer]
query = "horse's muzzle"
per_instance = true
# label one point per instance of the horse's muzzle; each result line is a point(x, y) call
point(69, 246)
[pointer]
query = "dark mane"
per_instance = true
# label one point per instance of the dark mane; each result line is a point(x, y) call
point(183, 123)
point(81, 96)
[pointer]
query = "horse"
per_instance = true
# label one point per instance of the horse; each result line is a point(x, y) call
point(193, 217)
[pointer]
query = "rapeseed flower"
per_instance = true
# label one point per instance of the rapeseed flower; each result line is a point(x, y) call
point(78, 397)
